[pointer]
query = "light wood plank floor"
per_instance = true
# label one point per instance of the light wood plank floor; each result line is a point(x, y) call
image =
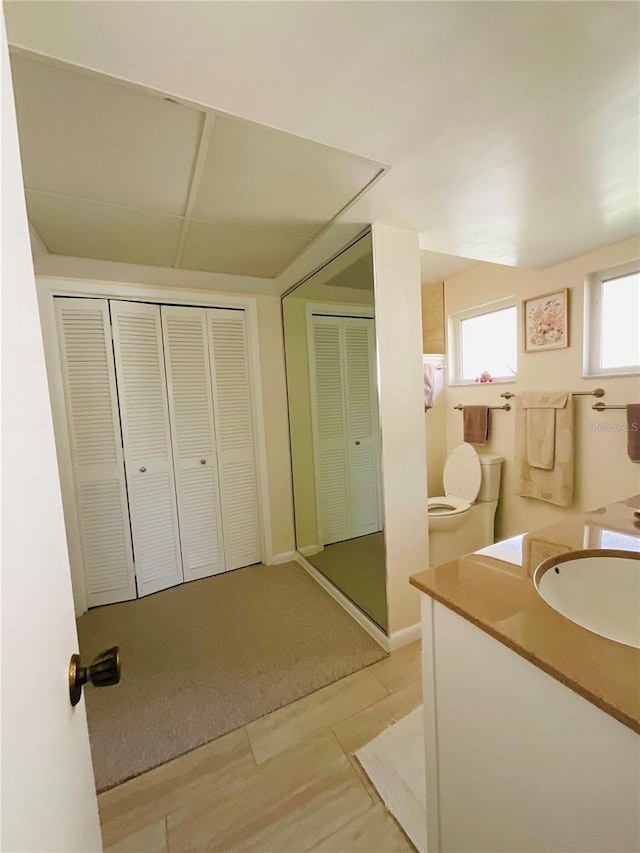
point(285, 783)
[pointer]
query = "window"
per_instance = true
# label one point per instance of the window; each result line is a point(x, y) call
point(484, 342)
point(612, 328)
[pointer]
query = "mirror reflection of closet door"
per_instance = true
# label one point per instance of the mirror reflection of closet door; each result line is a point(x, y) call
point(345, 426)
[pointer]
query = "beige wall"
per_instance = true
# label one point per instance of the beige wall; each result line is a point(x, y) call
point(604, 472)
point(433, 326)
point(396, 261)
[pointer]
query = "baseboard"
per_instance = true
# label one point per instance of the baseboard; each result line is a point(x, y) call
point(284, 557)
point(309, 550)
point(370, 627)
point(405, 636)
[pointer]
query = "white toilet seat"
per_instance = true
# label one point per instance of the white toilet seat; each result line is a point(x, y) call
point(447, 505)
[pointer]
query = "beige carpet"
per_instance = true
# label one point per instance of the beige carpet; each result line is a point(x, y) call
point(358, 568)
point(209, 656)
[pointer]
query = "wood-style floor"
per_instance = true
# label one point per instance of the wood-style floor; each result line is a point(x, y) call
point(286, 783)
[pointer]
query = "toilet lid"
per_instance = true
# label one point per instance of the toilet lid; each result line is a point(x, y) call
point(462, 473)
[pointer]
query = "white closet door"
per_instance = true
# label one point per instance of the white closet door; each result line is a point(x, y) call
point(234, 436)
point(186, 353)
point(142, 390)
point(362, 425)
point(330, 435)
point(86, 353)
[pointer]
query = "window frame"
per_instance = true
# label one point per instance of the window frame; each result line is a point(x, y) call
point(592, 338)
point(454, 340)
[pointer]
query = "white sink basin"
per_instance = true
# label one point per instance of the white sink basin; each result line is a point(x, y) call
point(599, 590)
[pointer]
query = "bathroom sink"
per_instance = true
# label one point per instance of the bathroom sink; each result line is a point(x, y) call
point(599, 590)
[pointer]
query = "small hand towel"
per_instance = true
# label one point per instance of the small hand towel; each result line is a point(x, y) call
point(428, 385)
point(475, 422)
point(541, 426)
point(633, 431)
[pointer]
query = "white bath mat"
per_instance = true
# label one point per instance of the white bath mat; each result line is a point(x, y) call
point(394, 761)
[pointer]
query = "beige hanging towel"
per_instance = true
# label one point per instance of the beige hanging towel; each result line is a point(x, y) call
point(544, 446)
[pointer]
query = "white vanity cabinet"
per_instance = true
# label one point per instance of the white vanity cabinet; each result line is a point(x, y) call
point(516, 760)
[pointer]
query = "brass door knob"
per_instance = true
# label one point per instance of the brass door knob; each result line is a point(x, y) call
point(104, 671)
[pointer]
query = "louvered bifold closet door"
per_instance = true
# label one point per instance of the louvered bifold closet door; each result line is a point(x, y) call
point(86, 356)
point(362, 425)
point(330, 436)
point(186, 351)
point(234, 436)
point(142, 390)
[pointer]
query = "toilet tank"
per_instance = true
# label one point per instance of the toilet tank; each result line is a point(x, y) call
point(491, 466)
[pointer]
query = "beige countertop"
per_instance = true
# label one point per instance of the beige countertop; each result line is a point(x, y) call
point(493, 588)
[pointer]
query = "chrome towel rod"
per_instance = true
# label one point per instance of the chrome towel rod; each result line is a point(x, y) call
point(600, 407)
point(506, 407)
point(597, 392)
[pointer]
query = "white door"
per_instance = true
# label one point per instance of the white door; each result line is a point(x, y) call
point(345, 426)
point(48, 790)
point(144, 413)
point(88, 376)
point(234, 436)
point(186, 352)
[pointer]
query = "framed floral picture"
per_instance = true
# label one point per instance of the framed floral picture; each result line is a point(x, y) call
point(546, 321)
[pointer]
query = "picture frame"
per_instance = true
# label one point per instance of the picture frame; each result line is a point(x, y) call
point(545, 321)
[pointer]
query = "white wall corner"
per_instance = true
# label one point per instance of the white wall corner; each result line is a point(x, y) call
point(405, 636)
point(398, 309)
point(284, 557)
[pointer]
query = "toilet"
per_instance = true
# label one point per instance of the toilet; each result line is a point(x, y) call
point(462, 520)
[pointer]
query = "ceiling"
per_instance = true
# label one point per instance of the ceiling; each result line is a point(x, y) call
point(511, 129)
point(118, 173)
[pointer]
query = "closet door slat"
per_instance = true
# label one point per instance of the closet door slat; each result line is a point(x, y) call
point(144, 413)
point(234, 436)
point(186, 352)
point(86, 353)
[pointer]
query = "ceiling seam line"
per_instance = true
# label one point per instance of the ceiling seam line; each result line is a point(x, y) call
point(146, 210)
point(334, 219)
point(37, 239)
point(196, 180)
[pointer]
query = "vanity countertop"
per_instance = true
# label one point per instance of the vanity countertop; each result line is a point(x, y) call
point(493, 588)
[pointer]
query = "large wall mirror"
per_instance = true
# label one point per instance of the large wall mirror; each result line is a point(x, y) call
point(330, 345)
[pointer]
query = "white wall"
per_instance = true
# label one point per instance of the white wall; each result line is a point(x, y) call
point(604, 472)
point(396, 261)
point(48, 791)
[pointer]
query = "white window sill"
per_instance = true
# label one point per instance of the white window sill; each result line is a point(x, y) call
point(611, 375)
point(510, 381)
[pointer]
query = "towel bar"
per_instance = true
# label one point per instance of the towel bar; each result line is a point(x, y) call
point(597, 392)
point(506, 407)
point(600, 407)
